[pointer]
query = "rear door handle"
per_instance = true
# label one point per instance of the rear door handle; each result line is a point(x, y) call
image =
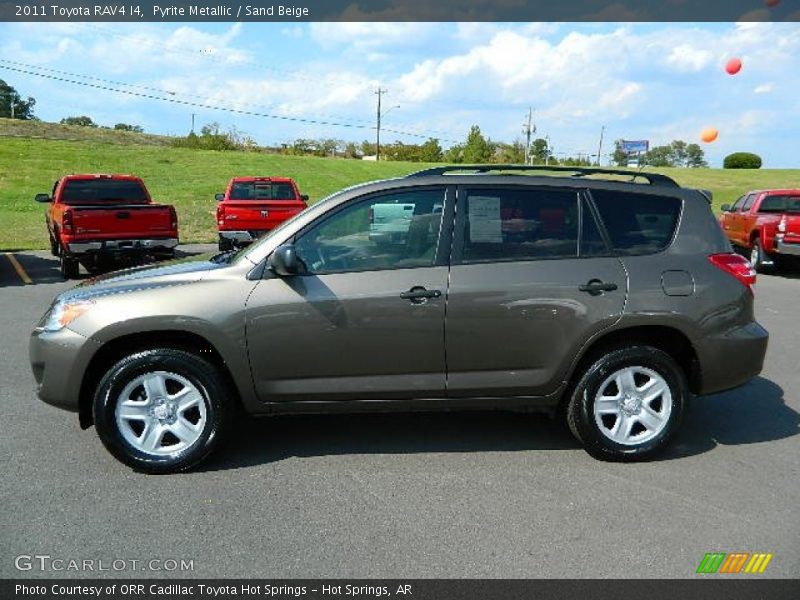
point(420, 295)
point(595, 287)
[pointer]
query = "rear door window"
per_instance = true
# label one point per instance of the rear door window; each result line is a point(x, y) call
point(513, 224)
point(77, 191)
point(637, 223)
point(780, 204)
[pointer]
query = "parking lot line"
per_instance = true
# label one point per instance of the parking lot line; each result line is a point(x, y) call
point(18, 268)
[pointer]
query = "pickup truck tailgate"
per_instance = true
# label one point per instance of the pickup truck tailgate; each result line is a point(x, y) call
point(258, 215)
point(123, 221)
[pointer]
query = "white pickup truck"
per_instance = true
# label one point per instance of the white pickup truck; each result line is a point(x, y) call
point(389, 222)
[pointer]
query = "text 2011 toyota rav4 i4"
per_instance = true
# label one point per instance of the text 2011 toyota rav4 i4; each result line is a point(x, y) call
point(612, 300)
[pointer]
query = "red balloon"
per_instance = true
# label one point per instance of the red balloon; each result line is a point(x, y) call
point(733, 66)
point(772, 3)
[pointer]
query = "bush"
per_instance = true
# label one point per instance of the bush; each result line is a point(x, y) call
point(742, 160)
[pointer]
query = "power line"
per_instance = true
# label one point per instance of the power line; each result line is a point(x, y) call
point(176, 100)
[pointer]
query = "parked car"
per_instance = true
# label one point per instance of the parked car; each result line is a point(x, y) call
point(389, 221)
point(765, 225)
point(252, 206)
point(98, 220)
point(609, 301)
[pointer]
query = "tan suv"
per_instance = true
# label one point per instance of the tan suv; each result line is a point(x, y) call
point(611, 300)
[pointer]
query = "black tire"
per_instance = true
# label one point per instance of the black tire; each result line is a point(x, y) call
point(225, 244)
point(206, 379)
point(69, 266)
point(54, 248)
point(580, 407)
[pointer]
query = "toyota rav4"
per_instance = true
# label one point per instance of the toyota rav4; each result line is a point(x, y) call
point(608, 301)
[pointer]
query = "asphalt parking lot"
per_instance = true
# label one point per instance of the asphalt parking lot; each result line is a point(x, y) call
point(418, 495)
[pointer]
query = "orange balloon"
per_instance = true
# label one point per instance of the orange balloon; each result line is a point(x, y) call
point(709, 134)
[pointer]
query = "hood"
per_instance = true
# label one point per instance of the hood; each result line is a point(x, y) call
point(140, 278)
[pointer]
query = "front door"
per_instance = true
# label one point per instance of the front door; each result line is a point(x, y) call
point(366, 319)
point(524, 291)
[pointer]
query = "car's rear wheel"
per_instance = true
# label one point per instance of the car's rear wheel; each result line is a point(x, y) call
point(628, 403)
point(162, 410)
point(53, 246)
point(68, 265)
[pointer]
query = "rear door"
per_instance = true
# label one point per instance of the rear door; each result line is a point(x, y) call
point(260, 205)
point(532, 278)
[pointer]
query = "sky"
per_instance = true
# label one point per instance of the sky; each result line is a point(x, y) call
point(656, 81)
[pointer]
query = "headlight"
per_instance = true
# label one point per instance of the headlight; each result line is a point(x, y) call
point(63, 313)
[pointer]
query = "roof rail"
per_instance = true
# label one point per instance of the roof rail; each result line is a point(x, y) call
point(652, 178)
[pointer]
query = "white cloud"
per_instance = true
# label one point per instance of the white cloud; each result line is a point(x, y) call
point(688, 58)
point(764, 88)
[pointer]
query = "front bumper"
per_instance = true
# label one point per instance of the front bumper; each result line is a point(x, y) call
point(785, 249)
point(732, 358)
point(58, 360)
point(141, 245)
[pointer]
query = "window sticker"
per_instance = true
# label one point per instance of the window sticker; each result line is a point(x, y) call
point(484, 220)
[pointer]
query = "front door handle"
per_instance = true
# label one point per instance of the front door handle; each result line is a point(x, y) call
point(595, 287)
point(420, 295)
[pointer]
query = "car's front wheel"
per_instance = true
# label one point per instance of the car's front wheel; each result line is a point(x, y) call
point(628, 403)
point(162, 410)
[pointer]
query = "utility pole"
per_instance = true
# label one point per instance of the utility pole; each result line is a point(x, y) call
point(192, 122)
point(600, 147)
point(379, 92)
point(547, 151)
point(528, 128)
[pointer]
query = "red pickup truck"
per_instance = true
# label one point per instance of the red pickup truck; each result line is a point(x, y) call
point(766, 224)
point(251, 206)
point(96, 220)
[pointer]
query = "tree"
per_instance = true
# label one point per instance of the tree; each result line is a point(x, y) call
point(430, 151)
point(539, 151)
point(454, 154)
point(477, 148)
point(695, 157)
point(742, 160)
point(126, 127)
point(513, 153)
point(82, 121)
point(619, 156)
point(679, 153)
point(660, 156)
point(23, 109)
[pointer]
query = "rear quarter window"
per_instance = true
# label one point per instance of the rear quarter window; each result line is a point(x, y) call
point(637, 223)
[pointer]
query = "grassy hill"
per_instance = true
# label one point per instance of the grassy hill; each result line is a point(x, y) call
point(189, 178)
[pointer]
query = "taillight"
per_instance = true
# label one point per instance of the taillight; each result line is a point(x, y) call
point(173, 218)
point(736, 266)
point(220, 214)
point(782, 224)
point(66, 221)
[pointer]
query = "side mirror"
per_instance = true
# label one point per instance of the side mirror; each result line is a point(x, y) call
point(219, 197)
point(284, 261)
point(726, 208)
point(42, 198)
point(304, 197)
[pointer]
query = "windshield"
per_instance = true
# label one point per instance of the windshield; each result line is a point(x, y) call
point(780, 204)
point(262, 190)
point(77, 191)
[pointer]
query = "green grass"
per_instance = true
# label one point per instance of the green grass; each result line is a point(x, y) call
point(189, 178)
point(186, 178)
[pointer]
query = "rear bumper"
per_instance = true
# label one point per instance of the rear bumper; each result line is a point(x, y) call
point(732, 358)
point(242, 236)
point(134, 245)
point(58, 361)
point(785, 249)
